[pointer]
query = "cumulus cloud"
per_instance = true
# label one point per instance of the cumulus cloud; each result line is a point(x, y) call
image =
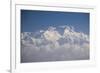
point(51, 34)
point(52, 45)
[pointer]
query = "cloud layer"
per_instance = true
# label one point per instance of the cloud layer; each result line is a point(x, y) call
point(54, 44)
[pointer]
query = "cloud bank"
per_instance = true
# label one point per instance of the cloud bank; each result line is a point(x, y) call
point(61, 43)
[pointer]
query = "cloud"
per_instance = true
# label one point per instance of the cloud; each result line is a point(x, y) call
point(51, 34)
point(41, 31)
point(52, 46)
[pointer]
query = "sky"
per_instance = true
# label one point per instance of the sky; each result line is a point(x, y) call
point(54, 36)
point(32, 20)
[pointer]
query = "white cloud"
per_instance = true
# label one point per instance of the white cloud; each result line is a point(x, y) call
point(51, 34)
point(41, 31)
point(53, 46)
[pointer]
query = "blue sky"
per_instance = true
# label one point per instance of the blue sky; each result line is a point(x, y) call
point(32, 20)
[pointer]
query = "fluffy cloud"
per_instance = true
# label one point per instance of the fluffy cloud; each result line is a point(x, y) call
point(52, 45)
point(51, 34)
